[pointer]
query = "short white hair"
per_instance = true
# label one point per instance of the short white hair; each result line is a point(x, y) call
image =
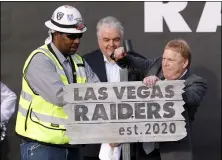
point(110, 22)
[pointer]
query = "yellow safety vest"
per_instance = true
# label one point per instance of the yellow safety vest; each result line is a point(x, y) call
point(38, 119)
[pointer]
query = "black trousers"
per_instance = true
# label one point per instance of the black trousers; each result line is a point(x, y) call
point(178, 150)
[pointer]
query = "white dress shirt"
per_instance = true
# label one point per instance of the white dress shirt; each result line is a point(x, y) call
point(113, 75)
point(8, 102)
point(112, 71)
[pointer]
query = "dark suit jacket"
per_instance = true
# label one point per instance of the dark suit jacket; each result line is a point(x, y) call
point(195, 86)
point(96, 62)
point(195, 89)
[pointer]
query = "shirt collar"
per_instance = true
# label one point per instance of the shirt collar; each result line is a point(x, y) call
point(105, 59)
point(60, 56)
point(183, 74)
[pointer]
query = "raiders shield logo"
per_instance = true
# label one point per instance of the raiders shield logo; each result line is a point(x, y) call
point(59, 15)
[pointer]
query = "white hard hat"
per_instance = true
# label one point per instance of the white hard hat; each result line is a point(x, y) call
point(66, 19)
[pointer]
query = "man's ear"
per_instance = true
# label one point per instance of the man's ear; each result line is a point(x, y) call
point(185, 63)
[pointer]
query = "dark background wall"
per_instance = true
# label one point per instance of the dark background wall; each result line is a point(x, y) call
point(22, 30)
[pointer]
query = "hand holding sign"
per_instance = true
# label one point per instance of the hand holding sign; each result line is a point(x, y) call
point(114, 145)
point(150, 81)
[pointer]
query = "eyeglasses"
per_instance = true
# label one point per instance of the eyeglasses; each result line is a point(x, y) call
point(74, 36)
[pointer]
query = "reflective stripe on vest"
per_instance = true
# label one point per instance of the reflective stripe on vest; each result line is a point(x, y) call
point(26, 96)
point(81, 69)
point(41, 117)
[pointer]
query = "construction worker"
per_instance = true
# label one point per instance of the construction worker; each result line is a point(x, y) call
point(46, 71)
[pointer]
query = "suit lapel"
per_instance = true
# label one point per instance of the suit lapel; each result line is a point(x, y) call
point(161, 75)
point(101, 67)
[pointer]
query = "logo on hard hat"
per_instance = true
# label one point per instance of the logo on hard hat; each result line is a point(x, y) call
point(59, 15)
point(79, 25)
point(70, 17)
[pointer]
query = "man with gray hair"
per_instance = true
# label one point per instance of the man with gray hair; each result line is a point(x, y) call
point(110, 33)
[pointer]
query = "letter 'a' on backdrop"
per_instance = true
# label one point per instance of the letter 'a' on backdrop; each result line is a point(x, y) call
point(124, 112)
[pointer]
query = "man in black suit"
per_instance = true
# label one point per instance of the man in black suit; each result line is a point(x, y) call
point(110, 34)
point(173, 65)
